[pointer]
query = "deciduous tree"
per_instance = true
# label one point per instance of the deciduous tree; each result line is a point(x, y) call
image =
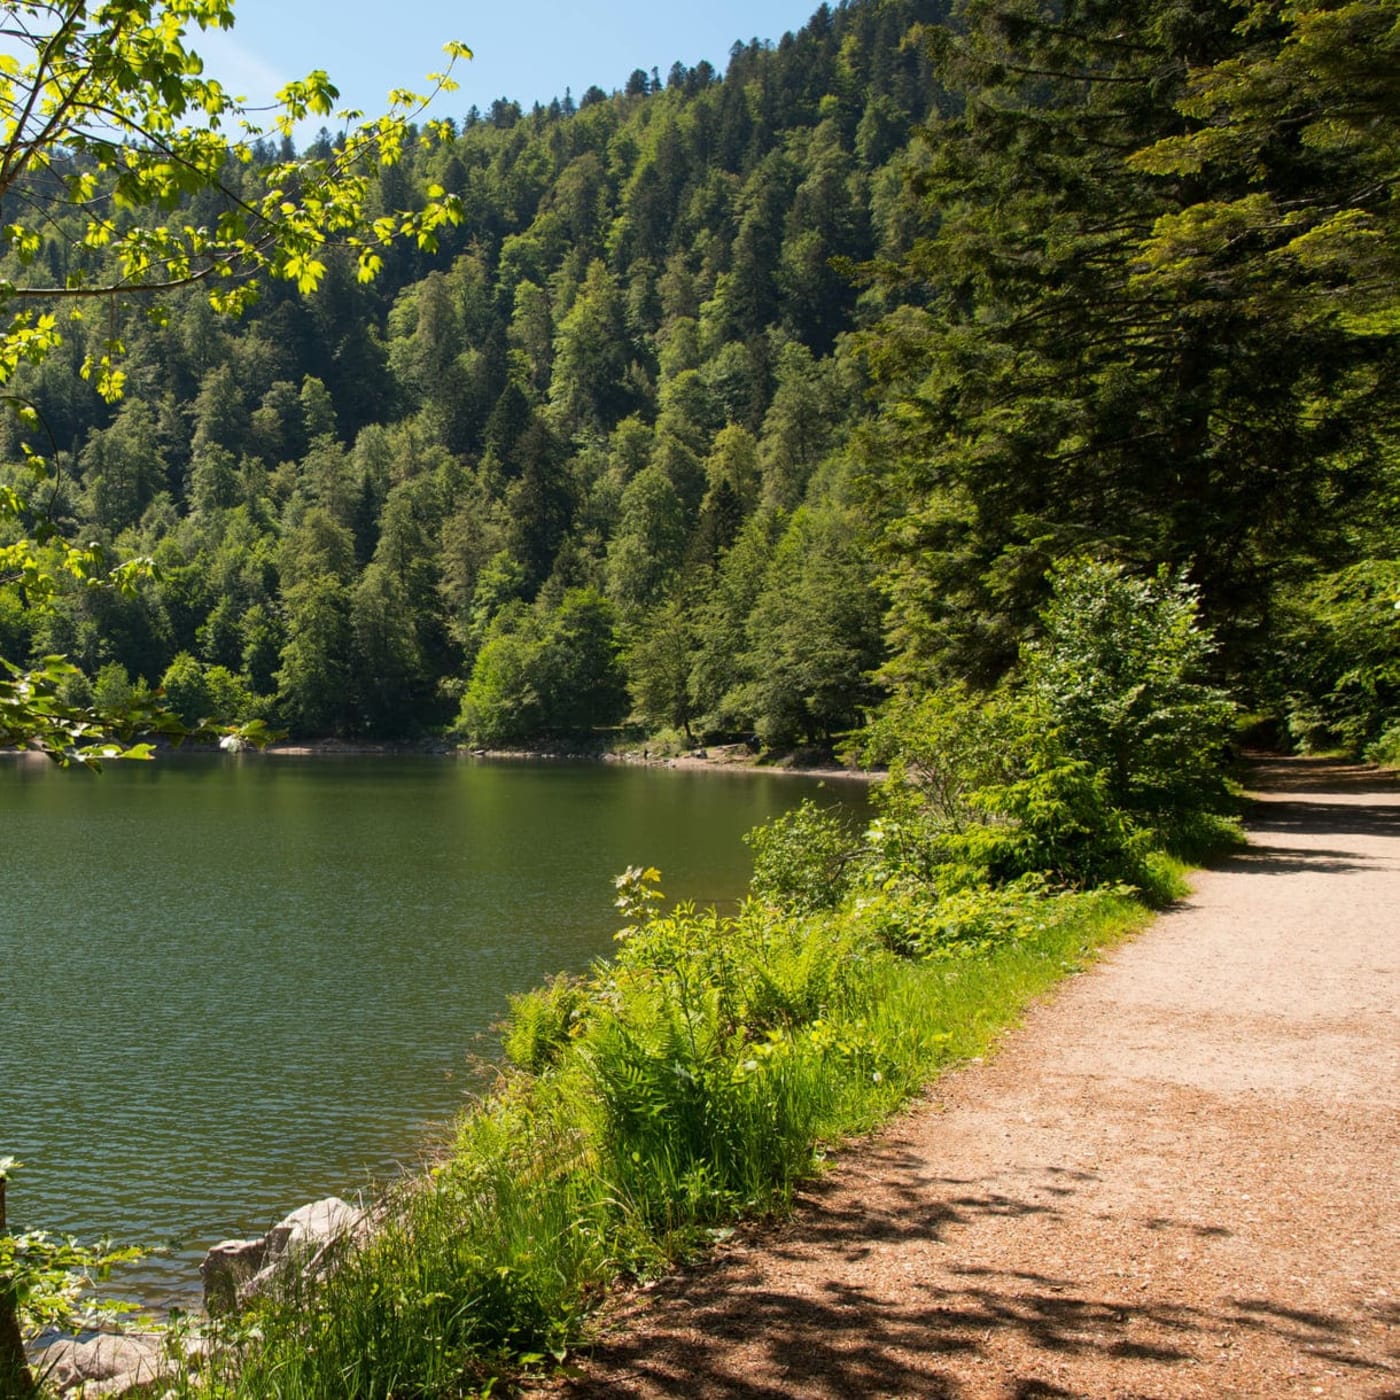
point(111, 123)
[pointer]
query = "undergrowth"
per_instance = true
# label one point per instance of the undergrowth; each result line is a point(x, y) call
point(694, 1079)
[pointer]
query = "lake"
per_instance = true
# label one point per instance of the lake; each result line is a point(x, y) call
point(231, 985)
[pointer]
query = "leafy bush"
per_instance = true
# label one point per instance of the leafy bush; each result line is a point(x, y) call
point(1055, 822)
point(945, 744)
point(1386, 749)
point(1120, 674)
point(986, 794)
point(975, 921)
point(42, 1282)
point(1343, 659)
point(502, 703)
point(802, 859)
point(114, 691)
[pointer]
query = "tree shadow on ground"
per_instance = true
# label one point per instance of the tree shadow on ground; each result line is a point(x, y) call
point(1325, 818)
point(1293, 860)
point(724, 1331)
point(1268, 775)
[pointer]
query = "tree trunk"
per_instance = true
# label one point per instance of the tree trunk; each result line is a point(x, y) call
point(15, 1381)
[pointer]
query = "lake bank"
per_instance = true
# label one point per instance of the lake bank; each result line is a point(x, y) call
point(717, 758)
point(726, 758)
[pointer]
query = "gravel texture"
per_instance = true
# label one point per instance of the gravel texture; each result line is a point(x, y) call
point(1179, 1177)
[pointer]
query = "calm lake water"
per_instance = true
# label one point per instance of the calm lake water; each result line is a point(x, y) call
point(231, 985)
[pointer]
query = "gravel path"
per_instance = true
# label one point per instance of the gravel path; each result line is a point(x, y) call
point(1179, 1178)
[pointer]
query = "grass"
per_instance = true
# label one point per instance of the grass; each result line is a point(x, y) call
point(694, 1079)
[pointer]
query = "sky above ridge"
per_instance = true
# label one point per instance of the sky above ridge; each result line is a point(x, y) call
point(527, 50)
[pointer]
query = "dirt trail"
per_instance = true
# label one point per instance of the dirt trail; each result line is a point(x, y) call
point(1179, 1178)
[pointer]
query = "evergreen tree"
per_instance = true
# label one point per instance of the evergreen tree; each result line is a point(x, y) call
point(1076, 368)
point(814, 633)
point(316, 688)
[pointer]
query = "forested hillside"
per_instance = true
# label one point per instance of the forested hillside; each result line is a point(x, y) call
point(557, 471)
point(737, 399)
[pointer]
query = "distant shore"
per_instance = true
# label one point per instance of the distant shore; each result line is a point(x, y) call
point(731, 758)
point(718, 758)
point(723, 758)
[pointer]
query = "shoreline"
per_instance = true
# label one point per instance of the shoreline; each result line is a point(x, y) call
point(713, 758)
point(719, 758)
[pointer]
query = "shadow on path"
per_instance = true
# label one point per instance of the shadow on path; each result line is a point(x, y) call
point(1325, 818)
point(1268, 774)
point(841, 1338)
point(1330, 804)
point(1294, 860)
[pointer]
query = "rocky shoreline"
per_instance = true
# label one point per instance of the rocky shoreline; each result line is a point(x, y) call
point(101, 1365)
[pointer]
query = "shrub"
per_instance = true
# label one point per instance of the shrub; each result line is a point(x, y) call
point(944, 744)
point(1056, 822)
point(987, 795)
point(1120, 674)
point(802, 859)
point(1386, 749)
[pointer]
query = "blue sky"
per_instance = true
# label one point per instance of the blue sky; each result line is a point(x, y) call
point(528, 50)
